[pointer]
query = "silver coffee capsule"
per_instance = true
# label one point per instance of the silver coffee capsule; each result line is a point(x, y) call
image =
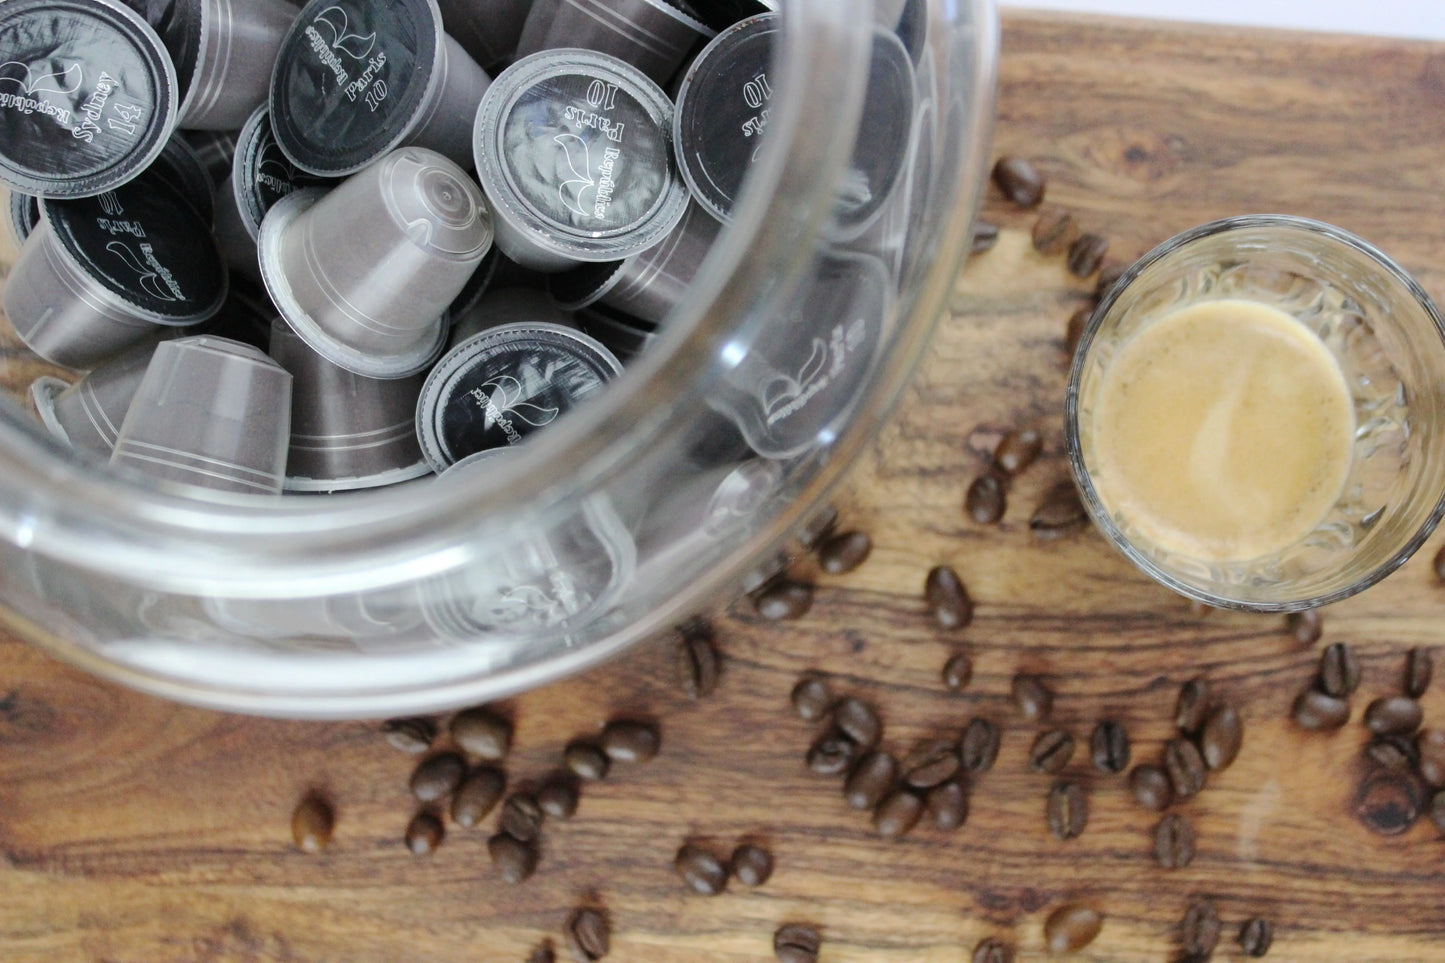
point(655, 36)
point(488, 30)
point(224, 51)
point(88, 414)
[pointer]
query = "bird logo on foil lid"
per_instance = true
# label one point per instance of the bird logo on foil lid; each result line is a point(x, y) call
point(782, 394)
point(504, 394)
point(358, 46)
point(146, 274)
point(64, 82)
point(573, 189)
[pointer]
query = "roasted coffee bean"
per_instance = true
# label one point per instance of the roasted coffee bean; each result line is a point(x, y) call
point(947, 598)
point(312, 823)
point(543, 954)
point(796, 943)
point(1221, 738)
point(957, 672)
point(424, 834)
point(985, 236)
point(858, 721)
point(521, 817)
point(586, 760)
point(812, 698)
point(1316, 710)
point(1052, 751)
point(588, 935)
point(1070, 928)
point(751, 864)
point(897, 813)
point(1430, 756)
point(993, 951)
point(1391, 752)
point(1019, 181)
point(1060, 512)
point(1054, 231)
point(1389, 802)
point(1256, 935)
point(1201, 929)
point(985, 502)
point(1151, 788)
point(1109, 274)
point(1067, 810)
point(1074, 331)
point(697, 660)
point(1017, 451)
point(478, 795)
point(947, 803)
point(1185, 766)
point(1339, 673)
point(979, 747)
point(871, 780)
point(1306, 626)
point(437, 777)
point(842, 553)
point(702, 871)
point(1174, 842)
point(515, 860)
point(482, 733)
point(1034, 699)
point(1419, 667)
point(559, 796)
point(1392, 715)
point(930, 762)
point(413, 735)
point(831, 754)
point(1192, 706)
point(1437, 811)
point(783, 600)
point(1086, 254)
point(626, 740)
point(1109, 747)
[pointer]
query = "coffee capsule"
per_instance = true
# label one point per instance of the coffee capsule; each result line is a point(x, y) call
point(365, 272)
point(574, 150)
point(509, 306)
point(101, 273)
point(209, 412)
point(181, 167)
point(885, 130)
point(224, 51)
point(357, 79)
point(347, 431)
point(261, 174)
point(655, 36)
point(88, 414)
point(488, 30)
point(87, 96)
point(500, 387)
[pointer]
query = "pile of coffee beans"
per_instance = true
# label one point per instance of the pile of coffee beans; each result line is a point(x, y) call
point(705, 873)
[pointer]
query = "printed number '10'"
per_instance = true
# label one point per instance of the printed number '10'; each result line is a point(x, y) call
point(601, 96)
point(376, 95)
point(757, 91)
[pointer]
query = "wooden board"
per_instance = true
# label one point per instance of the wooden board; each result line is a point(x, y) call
point(136, 831)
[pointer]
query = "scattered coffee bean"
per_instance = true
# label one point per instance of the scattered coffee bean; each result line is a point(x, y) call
point(1075, 329)
point(1086, 254)
point(1185, 766)
point(985, 236)
point(312, 822)
point(1221, 738)
point(1070, 928)
point(985, 502)
point(1256, 935)
point(897, 813)
point(1393, 714)
point(1051, 751)
point(482, 733)
point(1059, 513)
point(625, 740)
point(586, 760)
point(947, 803)
point(1109, 275)
point(1017, 451)
point(796, 943)
point(1019, 181)
point(1306, 626)
point(783, 600)
point(515, 860)
point(413, 735)
point(1315, 710)
point(1201, 929)
point(1054, 231)
point(1419, 667)
point(1109, 747)
point(543, 954)
point(1430, 757)
point(991, 950)
point(812, 698)
point(437, 777)
point(702, 871)
point(588, 935)
point(1437, 811)
point(1174, 842)
point(1151, 788)
point(424, 834)
point(1034, 699)
point(1389, 802)
point(930, 762)
point(1067, 810)
point(697, 660)
point(979, 747)
point(521, 817)
point(478, 795)
point(858, 721)
point(871, 780)
point(752, 865)
point(957, 672)
point(1339, 673)
point(842, 553)
point(831, 754)
point(559, 796)
point(1192, 706)
point(1391, 752)
point(947, 598)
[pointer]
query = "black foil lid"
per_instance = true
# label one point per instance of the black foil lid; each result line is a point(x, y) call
point(263, 174)
point(349, 80)
point(145, 244)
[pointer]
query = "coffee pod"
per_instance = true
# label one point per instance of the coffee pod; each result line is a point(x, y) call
point(88, 414)
point(655, 36)
point(365, 273)
point(101, 273)
point(209, 412)
point(509, 306)
point(649, 284)
point(497, 389)
point(357, 79)
point(261, 174)
point(87, 96)
point(347, 431)
point(884, 133)
point(574, 149)
point(181, 167)
point(224, 51)
point(625, 336)
point(488, 30)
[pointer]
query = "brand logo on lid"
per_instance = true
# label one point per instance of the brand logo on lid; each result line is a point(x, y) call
point(357, 46)
point(158, 282)
point(21, 87)
point(785, 395)
point(574, 149)
point(501, 397)
point(277, 173)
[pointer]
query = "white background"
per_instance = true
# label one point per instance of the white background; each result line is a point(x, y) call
point(1393, 18)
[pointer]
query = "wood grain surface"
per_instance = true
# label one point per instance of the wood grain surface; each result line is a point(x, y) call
point(137, 831)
